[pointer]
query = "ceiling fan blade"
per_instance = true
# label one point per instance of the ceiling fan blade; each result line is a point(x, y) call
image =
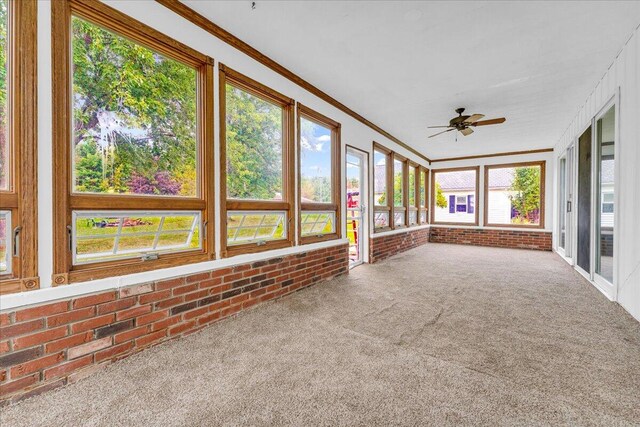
point(433, 127)
point(489, 122)
point(439, 133)
point(474, 118)
point(466, 131)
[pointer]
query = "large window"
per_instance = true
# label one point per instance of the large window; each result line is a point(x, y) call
point(400, 196)
point(381, 196)
point(18, 141)
point(454, 193)
point(136, 159)
point(256, 165)
point(514, 195)
point(398, 190)
point(319, 166)
point(423, 185)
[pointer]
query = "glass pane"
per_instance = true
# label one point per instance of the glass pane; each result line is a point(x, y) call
point(423, 189)
point(398, 186)
point(353, 234)
point(135, 117)
point(412, 186)
point(380, 178)
point(381, 219)
point(5, 152)
point(562, 208)
point(423, 217)
point(413, 217)
point(605, 193)
point(315, 162)
point(514, 195)
point(254, 146)
point(255, 227)
point(314, 223)
point(102, 237)
point(455, 196)
point(5, 242)
point(398, 218)
point(354, 169)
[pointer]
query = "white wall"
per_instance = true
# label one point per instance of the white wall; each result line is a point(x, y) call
point(153, 14)
point(548, 157)
point(622, 76)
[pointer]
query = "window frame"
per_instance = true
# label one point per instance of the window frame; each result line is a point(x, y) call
point(20, 199)
point(65, 201)
point(245, 83)
point(405, 190)
point(416, 190)
point(487, 168)
point(434, 172)
point(423, 174)
point(388, 208)
point(336, 183)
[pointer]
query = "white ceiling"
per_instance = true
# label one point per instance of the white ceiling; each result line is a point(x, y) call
point(408, 65)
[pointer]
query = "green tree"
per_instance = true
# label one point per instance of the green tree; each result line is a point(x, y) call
point(526, 185)
point(441, 200)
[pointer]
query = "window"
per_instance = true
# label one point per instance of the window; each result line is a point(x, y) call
point(18, 143)
point(399, 191)
point(414, 195)
point(136, 160)
point(381, 178)
point(453, 194)
point(256, 165)
point(514, 195)
point(319, 172)
point(605, 193)
point(423, 184)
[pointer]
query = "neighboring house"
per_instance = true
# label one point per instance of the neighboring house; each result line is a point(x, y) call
point(459, 191)
point(606, 197)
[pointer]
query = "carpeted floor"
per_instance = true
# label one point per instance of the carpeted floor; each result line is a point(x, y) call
point(440, 335)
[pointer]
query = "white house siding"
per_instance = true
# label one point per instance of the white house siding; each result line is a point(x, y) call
point(624, 74)
point(499, 207)
point(443, 215)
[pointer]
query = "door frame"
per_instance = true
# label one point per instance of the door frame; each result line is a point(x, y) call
point(364, 222)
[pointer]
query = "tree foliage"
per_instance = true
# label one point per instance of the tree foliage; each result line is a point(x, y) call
point(526, 200)
point(134, 116)
point(441, 200)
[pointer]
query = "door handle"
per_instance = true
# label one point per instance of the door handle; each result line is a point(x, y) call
point(568, 205)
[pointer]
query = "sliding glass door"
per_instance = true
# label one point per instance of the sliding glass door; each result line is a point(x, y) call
point(584, 202)
point(604, 193)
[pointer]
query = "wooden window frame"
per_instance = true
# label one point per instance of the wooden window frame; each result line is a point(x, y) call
point(65, 201)
point(487, 168)
point(423, 173)
point(416, 190)
point(22, 139)
point(247, 84)
point(434, 172)
point(405, 190)
point(389, 190)
point(336, 184)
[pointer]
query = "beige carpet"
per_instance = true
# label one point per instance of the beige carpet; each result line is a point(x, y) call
point(441, 335)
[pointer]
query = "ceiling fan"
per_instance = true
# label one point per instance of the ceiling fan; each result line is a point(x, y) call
point(464, 123)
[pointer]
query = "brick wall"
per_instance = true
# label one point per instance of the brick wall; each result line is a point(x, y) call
point(521, 239)
point(384, 246)
point(51, 344)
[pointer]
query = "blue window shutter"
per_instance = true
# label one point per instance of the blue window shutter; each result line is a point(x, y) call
point(470, 207)
point(452, 204)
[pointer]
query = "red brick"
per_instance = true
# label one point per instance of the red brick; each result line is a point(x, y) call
point(198, 277)
point(71, 316)
point(151, 317)
point(133, 312)
point(65, 368)
point(39, 338)
point(131, 334)
point(136, 290)
point(116, 305)
point(151, 338)
point(96, 322)
point(89, 347)
point(96, 299)
point(21, 384)
point(4, 346)
point(196, 295)
point(36, 365)
point(195, 313)
point(163, 324)
point(113, 351)
point(154, 296)
point(169, 302)
point(210, 282)
point(21, 328)
point(68, 342)
point(185, 289)
point(169, 283)
point(182, 327)
point(208, 318)
point(41, 311)
point(5, 319)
